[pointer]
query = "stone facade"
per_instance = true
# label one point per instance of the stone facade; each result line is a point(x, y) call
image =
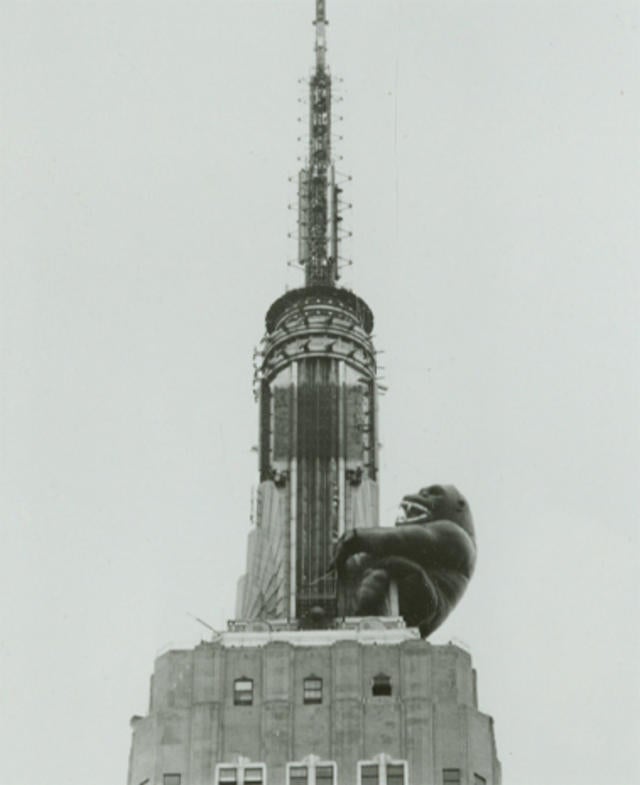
point(271, 699)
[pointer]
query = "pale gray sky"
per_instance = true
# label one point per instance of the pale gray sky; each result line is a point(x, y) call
point(144, 161)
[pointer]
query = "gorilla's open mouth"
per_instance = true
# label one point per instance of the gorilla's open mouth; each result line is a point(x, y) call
point(413, 509)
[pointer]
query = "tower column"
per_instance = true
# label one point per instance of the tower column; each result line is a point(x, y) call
point(317, 450)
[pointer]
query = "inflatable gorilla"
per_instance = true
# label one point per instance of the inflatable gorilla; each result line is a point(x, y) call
point(430, 554)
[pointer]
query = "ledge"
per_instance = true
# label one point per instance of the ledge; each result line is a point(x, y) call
point(345, 297)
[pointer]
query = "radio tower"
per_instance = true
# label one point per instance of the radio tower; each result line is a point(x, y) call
point(317, 189)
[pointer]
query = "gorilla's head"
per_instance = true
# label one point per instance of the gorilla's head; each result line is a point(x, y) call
point(436, 503)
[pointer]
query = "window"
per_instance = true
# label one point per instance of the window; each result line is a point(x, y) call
point(395, 774)
point(324, 775)
point(381, 685)
point(243, 692)
point(171, 779)
point(382, 771)
point(298, 775)
point(369, 774)
point(451, 776)
point(311, 771)
point(313, 690)
point(245, 772)
point(478, 780)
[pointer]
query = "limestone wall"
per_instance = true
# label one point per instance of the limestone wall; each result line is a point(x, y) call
point(430, 719)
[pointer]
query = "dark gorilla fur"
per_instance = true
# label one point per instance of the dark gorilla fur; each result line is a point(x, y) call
point(430, 555)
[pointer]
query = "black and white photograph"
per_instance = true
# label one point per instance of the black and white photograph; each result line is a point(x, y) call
point(320, 362)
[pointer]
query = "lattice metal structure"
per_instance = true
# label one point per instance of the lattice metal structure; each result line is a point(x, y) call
point(318, 194)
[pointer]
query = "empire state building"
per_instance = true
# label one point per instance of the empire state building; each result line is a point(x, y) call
point(326, 676)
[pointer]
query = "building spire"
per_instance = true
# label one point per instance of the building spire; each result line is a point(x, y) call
point(317, 192)
point(321, 40)
point(317, 392)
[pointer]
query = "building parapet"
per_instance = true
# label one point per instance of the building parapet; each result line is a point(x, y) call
point(369, 630)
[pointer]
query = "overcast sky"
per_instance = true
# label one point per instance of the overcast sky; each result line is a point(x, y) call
point(145, 152)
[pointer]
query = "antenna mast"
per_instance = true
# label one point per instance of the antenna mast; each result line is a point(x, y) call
point(317, 191)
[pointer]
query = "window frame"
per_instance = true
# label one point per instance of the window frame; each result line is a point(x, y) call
point(312, 695)
point(369, 765)
point(227, 767)
point(452, 782)
point(239, 693)
point(327, 765)
point(298, 766)
point(240, 767)
point(382, 761)
point(311, 763)
point(381, 681)
point(253, 766)
point(165, 781)
point(404, 765)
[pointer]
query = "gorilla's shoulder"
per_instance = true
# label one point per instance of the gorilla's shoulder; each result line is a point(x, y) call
point(449, 545)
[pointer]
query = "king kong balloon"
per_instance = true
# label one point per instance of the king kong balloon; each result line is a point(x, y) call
point(429, 554)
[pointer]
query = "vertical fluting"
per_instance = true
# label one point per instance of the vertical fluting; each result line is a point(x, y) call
point(317, 433)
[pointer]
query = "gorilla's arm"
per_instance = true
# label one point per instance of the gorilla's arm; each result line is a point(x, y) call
point(440, 545)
